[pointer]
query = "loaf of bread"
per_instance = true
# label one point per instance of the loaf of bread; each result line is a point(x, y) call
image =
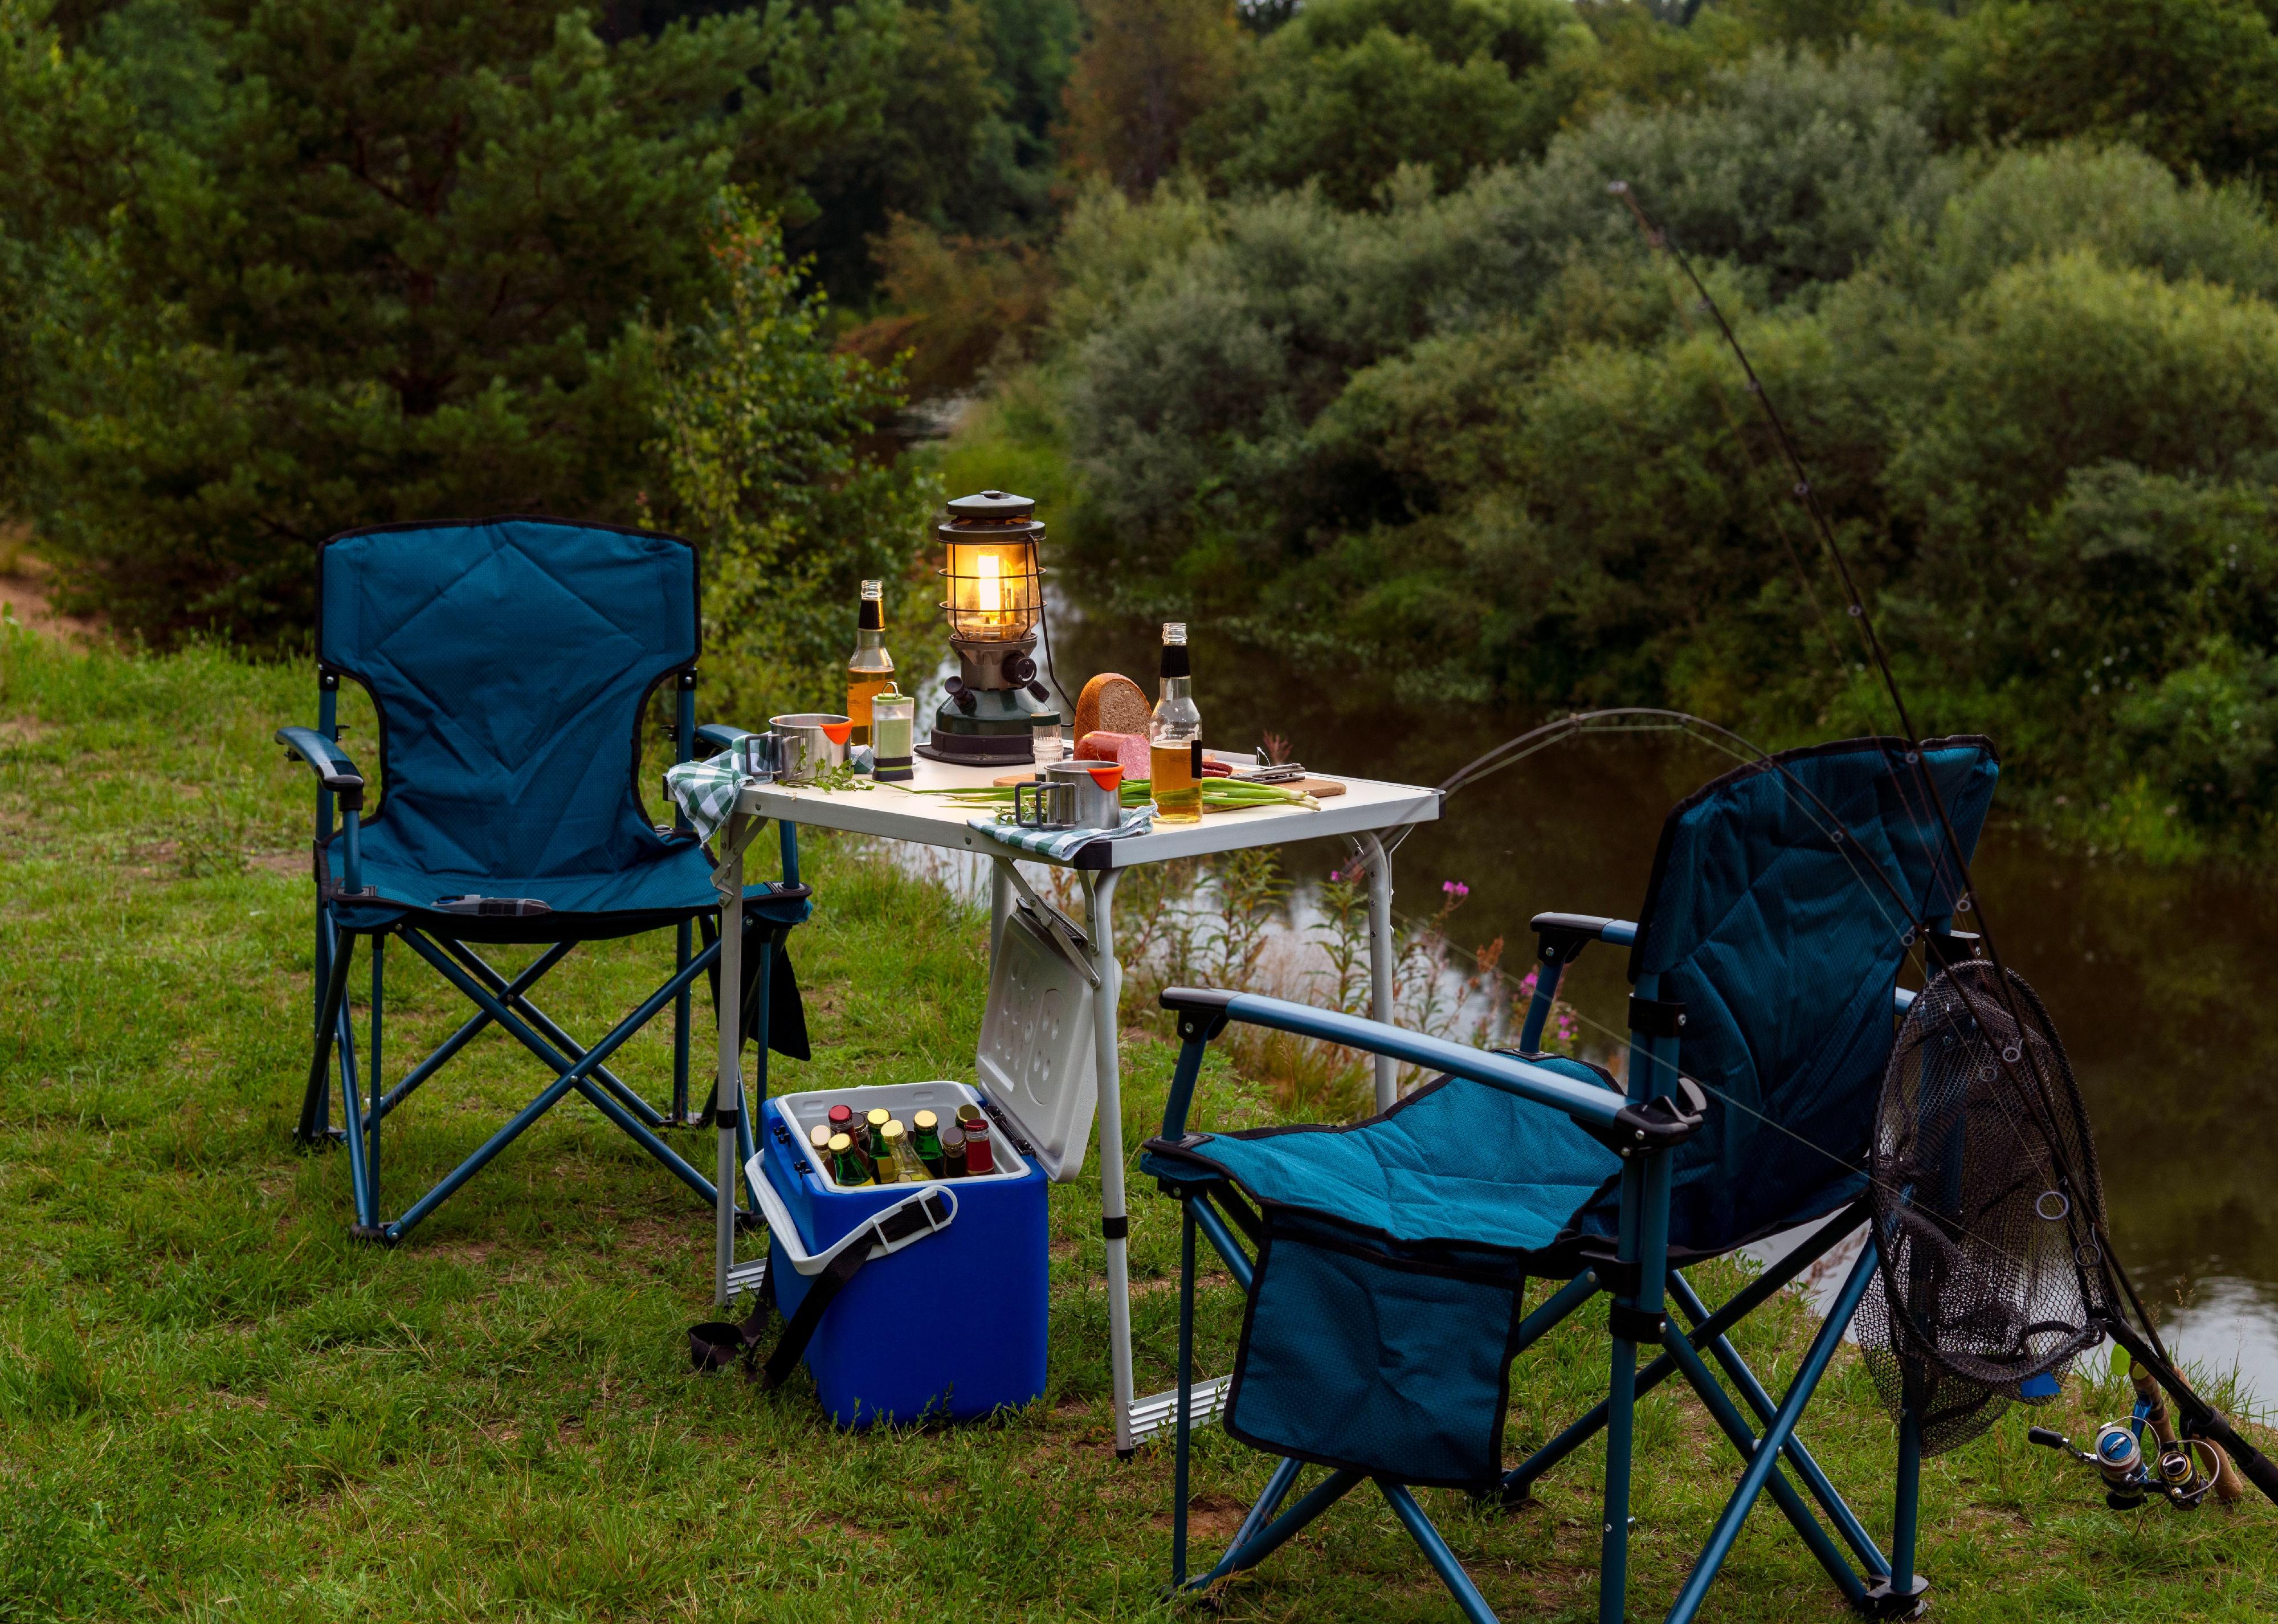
point(1111, 703)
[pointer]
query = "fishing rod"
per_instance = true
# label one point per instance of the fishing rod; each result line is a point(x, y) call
point(2141, 1339)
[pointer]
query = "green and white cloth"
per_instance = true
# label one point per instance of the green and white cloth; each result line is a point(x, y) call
point(705, 790)
point(1060, 845)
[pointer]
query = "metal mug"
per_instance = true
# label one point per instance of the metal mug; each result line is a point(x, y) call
point(814, 743)
point(759, 755)
point(1095, 787)
point(1051, 806)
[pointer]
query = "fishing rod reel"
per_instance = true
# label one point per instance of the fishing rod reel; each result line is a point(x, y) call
point(2184, 1473)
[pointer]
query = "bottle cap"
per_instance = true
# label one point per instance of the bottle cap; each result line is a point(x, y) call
point(1175, 634)
point(820, 1136)
point(925, 1121)
point(977, 1129)
point(893, 1131)
point(879, 1118)
point(840, 1116)
point(968, 1114)
point(840, 1144)
point(953, 1138)
point(874, 590)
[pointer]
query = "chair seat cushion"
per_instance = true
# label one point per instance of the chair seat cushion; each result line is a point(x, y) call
point(1456, 1163)
point(671, 881)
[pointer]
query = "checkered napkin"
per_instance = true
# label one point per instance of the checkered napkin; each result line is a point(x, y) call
point(1060, 844)
point(705, 790)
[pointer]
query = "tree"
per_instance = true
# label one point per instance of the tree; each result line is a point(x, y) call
point(1351, 89)
point(768, 443)
point(2193, 82)
point(1147, 69)
point(367, 264)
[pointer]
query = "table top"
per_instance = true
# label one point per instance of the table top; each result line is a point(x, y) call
point(893, 812)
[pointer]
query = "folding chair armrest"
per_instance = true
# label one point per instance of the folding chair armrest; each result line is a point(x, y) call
point(721, 735)
point(334, 770)
point(1598, 1111)
point(1560, 937)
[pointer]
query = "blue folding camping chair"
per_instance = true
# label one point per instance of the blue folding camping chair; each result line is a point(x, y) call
point(511, 664)
point(1386, 1263)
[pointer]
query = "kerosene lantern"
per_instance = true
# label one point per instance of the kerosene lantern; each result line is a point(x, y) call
point(997, 711)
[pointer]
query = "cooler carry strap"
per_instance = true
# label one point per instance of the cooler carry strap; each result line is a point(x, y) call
point(714, 1344)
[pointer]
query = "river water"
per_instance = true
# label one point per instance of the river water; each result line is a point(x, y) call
point(2163, 986)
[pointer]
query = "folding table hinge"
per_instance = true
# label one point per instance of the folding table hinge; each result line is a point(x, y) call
point(1655, 1018)
point(1635, 1324)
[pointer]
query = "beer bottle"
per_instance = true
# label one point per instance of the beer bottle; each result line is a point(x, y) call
point(925, 1139)
point(906, 1164)
point(980, 1149)
point(869, 669)
point(952, 1152)
point(842, 1120)
point(1175, 736)
point(876, 1140)
point(849, 1167)
point(885, 1168)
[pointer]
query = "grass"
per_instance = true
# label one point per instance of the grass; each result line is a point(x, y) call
point(213, 1406)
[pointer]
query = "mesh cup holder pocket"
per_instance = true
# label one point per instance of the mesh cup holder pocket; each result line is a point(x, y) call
point(1355, 1355)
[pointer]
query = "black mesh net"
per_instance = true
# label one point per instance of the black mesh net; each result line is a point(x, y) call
point(1987, 1210)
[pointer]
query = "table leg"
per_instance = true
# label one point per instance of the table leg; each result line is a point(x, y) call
point(1001, 903)
point(728, 1102)
point(1382, 951)
point(1113, 1218)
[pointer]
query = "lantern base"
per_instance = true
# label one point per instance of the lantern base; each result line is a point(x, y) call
point(998, 730)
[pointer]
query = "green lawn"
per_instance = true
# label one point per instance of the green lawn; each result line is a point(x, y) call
point(212, 1405)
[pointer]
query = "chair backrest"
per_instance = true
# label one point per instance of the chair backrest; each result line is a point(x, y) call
point(509, 660)
point(1784, 948)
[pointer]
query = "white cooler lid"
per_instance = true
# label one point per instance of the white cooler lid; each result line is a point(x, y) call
point(1038, 1062)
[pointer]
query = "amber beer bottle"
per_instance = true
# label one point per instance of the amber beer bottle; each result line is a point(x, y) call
point(869, 669)
point(1174, 736)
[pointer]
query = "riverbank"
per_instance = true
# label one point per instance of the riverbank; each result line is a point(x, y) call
point(211, 1403)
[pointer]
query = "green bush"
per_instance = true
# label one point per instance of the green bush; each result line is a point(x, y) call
point(1350, 90)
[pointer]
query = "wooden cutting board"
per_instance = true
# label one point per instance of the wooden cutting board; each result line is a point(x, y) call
point(1319, 789)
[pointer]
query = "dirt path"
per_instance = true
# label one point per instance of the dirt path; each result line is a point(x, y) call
point(24, 591)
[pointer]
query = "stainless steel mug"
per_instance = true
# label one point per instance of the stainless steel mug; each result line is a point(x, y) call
point(1050, 805)
point(814, 743)
point(1092, 804)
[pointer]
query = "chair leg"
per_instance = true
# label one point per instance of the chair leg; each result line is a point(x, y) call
point(1901, 1595)
point(1428, 1538)
point(1805, 1467)
point(315, 1126)
point(1267, 1541)
point(1520, 1478)
point(1727, 1415)
point(680, 1009)
point(537, 1018)
point(1767, 1456)
point(371, 1126)
point(1185, 1424)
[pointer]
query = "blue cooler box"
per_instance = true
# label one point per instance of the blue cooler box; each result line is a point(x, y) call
point(951, 1322)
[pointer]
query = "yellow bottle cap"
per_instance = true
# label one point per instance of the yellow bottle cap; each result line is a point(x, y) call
point(879, 1118)
point(840, 1144)
point(819, 1137)
point(925, 1121)
point(893, 1131)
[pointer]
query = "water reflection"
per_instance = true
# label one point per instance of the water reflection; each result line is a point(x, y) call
point(2162, 986)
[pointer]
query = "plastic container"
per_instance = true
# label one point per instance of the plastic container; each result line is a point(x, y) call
point(952, 1323)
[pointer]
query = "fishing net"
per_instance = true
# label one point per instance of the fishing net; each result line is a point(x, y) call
point(1987, 1207)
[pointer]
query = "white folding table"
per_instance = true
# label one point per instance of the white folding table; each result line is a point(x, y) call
point(895, 812)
